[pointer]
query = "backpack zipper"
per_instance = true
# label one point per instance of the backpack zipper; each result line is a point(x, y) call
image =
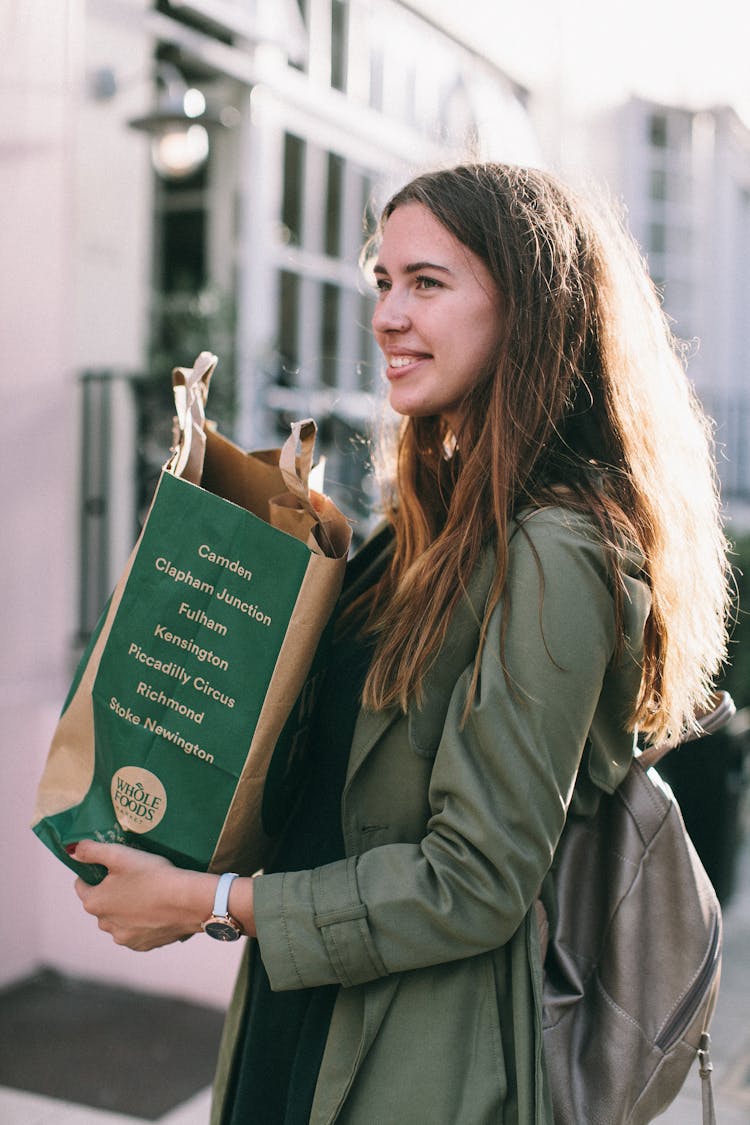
point(683, 1014)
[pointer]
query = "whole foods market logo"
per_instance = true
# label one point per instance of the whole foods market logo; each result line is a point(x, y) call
point(139, 798)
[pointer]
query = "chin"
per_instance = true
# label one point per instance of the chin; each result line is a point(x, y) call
point(409, 409)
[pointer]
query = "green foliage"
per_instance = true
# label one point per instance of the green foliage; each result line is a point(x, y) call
point(184, 324)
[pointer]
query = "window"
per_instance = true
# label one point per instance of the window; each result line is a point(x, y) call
point(658, 184)
point(180, 210)
point(339, 42)
point(369, 364)
point(96, 434)
point(657, 238)
point(329, 335)
point(288, 336)
point(194, 19)
point(333, 204)
point(324, 348)
point(300, 60)
point(294, 176)
point(182, 267)
point(658, 133)
point(368, 208)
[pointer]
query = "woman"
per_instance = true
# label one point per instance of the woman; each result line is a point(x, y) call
point(551, 580)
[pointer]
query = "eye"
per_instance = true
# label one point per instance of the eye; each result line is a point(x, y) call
point(425, 282)
point(382, 284)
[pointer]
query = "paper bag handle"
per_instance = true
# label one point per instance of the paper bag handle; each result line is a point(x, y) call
point(190, 387)
point(295, 468)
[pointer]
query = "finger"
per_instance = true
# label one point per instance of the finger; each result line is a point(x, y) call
point(106, 855)
point(81, 888)
point(88, 897)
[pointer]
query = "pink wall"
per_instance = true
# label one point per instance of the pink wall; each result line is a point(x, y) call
point(42, 335)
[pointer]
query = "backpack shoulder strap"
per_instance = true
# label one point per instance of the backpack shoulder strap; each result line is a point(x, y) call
point(721, 711)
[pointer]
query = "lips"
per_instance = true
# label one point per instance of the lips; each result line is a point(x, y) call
point(401, 362)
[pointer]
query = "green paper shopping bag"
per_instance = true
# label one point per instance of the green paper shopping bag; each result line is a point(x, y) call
point(184, 728)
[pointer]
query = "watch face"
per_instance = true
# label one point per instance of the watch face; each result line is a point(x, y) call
point(222, 931)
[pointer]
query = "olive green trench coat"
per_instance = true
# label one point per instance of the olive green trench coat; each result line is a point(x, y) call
point(449, 829)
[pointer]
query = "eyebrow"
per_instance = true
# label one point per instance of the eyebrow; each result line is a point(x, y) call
point(414, 267)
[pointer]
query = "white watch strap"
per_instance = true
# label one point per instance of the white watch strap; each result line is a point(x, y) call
point(221, 900)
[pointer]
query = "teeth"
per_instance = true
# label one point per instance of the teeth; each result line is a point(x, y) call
point(402, 360)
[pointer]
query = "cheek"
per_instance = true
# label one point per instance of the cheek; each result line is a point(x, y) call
point(491, 334)
point(485, 347)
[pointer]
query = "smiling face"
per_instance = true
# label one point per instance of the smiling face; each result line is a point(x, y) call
point(437, 320)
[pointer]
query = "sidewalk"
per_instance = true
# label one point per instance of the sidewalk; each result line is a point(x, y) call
point(19, 1108)
point(80, 1052)
point(730, 1048)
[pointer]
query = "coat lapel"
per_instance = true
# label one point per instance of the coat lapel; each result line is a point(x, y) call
point(457, 653)
point(426, 723)
point(369, 729)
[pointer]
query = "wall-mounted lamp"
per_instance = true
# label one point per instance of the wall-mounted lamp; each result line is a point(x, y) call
point(178, 124)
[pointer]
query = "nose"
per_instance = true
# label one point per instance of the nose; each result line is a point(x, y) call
point(390, 314)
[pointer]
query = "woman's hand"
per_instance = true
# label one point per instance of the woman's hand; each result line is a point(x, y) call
point(144, 901)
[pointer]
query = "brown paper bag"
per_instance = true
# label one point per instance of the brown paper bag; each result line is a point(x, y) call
point(184, 729)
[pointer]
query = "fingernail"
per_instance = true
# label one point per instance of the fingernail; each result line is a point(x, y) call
point(71, 849)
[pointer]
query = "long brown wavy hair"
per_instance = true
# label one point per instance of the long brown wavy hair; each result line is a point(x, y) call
point(589, 407)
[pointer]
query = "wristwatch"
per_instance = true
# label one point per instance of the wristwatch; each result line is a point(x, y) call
point(221, 925)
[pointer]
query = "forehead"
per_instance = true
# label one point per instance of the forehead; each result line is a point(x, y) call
point(413, 233)
point(414, 240)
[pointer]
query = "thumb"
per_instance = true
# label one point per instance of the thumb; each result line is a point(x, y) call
point(92, 851)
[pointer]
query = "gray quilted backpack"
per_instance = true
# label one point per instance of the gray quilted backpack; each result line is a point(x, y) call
point(632, 955)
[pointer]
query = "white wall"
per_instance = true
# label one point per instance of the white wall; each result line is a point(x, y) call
point(38, 449)
point(74, 195)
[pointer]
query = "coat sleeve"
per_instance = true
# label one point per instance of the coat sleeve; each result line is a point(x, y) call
point(499, 790)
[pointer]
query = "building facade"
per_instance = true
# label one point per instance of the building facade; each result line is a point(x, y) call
point(318, 110)
point(684, 176)
point(335, 109)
